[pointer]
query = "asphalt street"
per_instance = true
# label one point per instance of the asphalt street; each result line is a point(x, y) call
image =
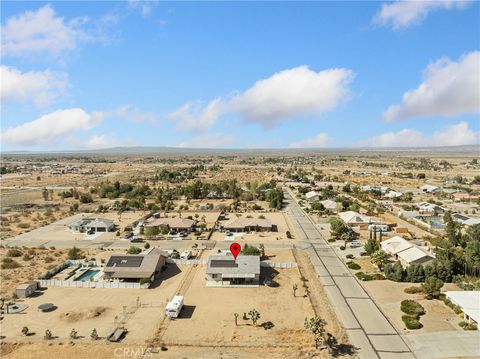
point(367, 327)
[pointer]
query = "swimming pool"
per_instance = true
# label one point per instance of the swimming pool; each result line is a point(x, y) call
point(87, 275)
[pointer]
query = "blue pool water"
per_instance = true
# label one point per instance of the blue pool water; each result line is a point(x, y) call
point(87, 275)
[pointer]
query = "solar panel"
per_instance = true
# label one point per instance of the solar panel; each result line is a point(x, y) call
point(125, 261)
point(223, 263)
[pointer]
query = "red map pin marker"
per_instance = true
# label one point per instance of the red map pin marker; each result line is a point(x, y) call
point(235, 249)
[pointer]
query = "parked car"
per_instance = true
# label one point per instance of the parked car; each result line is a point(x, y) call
point(228, 233)
point(355, 244)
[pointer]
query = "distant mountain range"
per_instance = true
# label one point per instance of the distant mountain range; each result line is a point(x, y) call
point(146, 150)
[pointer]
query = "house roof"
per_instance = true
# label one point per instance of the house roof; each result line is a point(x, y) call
point(228, 267)
point(248, 222)
point(172, 222)
point(311, 194)
point(395, 244)
point(414, 254)
point(134, 266)
point(354, 217)
point(329, 204)
point(428, 187)
point(468, 300)
point(99, 223)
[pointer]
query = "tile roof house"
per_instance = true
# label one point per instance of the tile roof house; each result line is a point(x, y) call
point(224, 271)
point(179, 224)
point(248, 225)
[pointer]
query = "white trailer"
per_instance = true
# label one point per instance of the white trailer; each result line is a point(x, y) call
point(173, 308)
point(379, 228)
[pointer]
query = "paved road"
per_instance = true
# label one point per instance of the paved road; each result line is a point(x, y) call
point(368, 329)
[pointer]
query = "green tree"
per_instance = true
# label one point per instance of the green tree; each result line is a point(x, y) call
point(94, 334)
point(372, 246)
point(48, 334)
point(379, 258)
point(432, 287)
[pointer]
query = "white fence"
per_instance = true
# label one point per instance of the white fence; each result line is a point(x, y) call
point(278, 264)
point(187, 261)
point(93, 284)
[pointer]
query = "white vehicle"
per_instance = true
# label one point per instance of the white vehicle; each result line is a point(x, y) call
point(186, 255)
point(355, 244)
point(379, 228)
point(173, 308)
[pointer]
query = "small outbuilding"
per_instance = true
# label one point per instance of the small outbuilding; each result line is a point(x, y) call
point(26, 290)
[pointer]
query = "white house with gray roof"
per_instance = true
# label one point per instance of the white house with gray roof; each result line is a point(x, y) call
point(224, 271)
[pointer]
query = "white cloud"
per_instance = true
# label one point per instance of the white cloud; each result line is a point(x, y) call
point(40, 87)
point(403, 13)
point(296, 92)
point(320, 140)
point(449, 89)
point(132, 114)
point(145, 7)
point(99, 142)
point(455, 135)
point(209, 140)
point(51, 128)
point(41, 31)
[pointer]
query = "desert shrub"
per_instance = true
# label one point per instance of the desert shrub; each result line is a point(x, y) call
point(74, 253)
point(332, 240)
point(26, 257)
point(413, 290)
point(48, 259)
point(134, 250)
point(350, 256)
point(23, 225)
point(353, 265)
point(342, 248)
point(412, 307)
point(454, 307)
point(145, 281)
point(250, 250)
point(9, 263)
point(411, 322)
point(14, 253)
point(468, 326)
point(363, 276)
point(31, 252)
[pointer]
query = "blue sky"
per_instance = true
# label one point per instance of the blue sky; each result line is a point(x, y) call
point(81, 75)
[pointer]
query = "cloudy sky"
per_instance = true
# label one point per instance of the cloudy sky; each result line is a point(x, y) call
point(89, 75)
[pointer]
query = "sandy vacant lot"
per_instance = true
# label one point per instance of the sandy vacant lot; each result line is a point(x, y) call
point(388, 295)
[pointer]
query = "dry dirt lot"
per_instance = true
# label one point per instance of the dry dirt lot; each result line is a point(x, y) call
point(388, 295)
point(210, 320)
point(88, 308)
